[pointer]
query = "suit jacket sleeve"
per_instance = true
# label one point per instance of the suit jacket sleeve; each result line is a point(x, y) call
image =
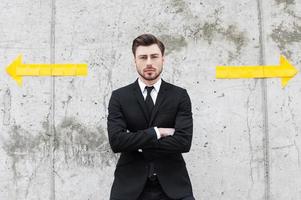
point(121, 140)
point(180, 142)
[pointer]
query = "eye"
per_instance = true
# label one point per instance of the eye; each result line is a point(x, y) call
point(154, 56)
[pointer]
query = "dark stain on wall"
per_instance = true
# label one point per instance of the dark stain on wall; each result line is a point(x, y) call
point(180, 6)
point(22, 145)
point(284, 36)
point(173, 42)
point(208, 30)
point(77, 144)
point(286, 2)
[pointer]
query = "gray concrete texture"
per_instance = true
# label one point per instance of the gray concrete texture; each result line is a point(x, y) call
point(53, 139)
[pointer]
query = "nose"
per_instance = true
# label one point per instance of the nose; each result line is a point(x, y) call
point(148, 62)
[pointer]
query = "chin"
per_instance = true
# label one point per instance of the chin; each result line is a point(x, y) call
point(152, 77)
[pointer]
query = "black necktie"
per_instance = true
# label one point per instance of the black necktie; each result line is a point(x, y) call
point(148, 100)
point(150, 106)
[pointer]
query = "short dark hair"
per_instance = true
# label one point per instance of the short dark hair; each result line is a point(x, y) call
point(147, 40)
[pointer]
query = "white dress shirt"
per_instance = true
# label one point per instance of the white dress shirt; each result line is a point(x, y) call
point(154, 94)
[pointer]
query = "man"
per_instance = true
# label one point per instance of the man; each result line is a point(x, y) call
point(150, 124)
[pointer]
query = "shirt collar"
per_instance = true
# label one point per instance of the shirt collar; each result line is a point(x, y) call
point(156, 85)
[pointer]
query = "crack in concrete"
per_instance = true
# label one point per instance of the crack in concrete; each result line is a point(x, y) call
point(253, 159)
point(298, 152)
point(283, 147)
point(115, 57)
point(30, 180)
point(293, 120)
point(291, 111)
point(6, 107)
point(52, 103)
point(266, 142)
point(252, 89)
point(66, 103)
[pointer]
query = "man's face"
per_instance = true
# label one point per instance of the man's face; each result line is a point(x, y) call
point(149, 62)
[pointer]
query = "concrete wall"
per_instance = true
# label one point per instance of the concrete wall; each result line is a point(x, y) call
point(53, 139)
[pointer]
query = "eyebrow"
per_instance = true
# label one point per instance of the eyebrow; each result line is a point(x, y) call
point(154, 54)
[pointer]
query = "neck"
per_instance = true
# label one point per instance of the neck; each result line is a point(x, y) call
point(149, 82)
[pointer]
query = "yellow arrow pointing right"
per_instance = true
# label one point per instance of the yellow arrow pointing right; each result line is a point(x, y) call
point(285, 71)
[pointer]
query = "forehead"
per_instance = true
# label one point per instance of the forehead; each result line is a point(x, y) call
point(148, 50)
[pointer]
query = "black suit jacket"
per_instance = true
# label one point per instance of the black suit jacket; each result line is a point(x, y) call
point(131, 132)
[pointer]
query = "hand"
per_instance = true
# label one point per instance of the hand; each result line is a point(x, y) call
point(164, 132)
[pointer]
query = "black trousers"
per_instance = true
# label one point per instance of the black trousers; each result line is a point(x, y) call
point(153, 191)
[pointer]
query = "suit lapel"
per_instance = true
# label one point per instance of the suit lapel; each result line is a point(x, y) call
point(160, 98)
point(140, 99)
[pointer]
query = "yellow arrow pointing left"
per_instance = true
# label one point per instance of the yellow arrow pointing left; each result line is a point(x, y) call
point(17, 69)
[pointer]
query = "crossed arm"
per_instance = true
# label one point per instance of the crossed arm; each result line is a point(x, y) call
point(173, 140)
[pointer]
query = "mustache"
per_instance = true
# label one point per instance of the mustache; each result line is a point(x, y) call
point(149, 69)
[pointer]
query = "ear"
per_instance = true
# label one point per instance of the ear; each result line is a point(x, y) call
point(163, 59)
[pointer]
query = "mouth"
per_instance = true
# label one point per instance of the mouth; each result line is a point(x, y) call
point(149, 70)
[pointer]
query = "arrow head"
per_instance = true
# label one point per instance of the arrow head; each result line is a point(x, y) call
point(12, 70)
point(289, 69)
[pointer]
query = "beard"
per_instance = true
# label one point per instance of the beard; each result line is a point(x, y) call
point(151, 77)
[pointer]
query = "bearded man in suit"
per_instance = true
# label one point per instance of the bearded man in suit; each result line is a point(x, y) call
point(150, 124)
